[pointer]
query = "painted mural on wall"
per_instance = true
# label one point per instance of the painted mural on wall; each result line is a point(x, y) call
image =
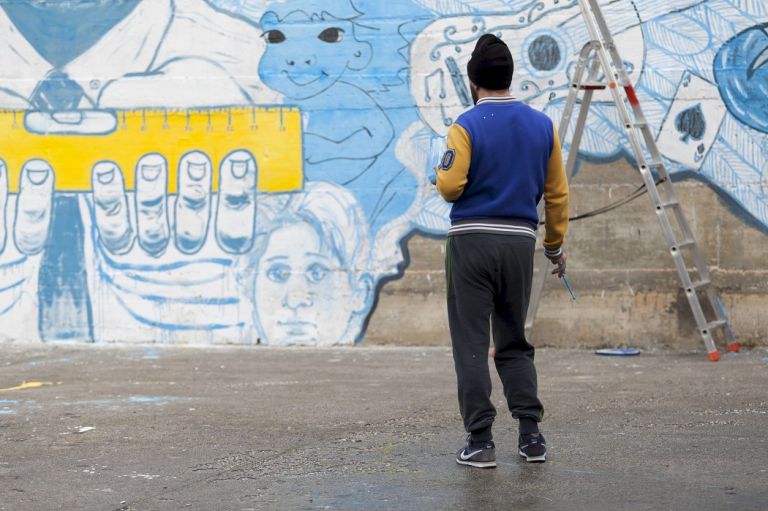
point(243, 171)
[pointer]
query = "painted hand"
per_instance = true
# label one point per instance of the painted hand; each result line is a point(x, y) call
point(25, 219)
point(166, 260)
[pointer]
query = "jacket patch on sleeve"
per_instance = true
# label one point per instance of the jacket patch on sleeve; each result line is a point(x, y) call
point(448, 158)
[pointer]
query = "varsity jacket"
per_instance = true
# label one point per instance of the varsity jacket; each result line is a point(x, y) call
point(502, 157)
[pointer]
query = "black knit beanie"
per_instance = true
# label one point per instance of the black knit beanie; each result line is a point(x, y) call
point(491, 65)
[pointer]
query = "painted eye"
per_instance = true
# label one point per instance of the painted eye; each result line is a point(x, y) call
point(279, 273)
point(317, 272)
point(331, 35)
point(544, 53)
point(274, 36)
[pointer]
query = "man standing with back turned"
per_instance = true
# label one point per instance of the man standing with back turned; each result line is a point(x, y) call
point(502, 157)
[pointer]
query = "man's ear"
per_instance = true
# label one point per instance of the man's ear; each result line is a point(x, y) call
point(361, 56)
point(363, 293)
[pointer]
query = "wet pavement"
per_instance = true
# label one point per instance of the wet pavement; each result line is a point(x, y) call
point(144, 428)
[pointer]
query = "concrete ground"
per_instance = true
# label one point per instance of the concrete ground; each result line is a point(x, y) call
point(145, 428)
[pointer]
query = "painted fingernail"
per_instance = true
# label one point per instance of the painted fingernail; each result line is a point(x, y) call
point(150, 172)
point(239, 161)
point(105, 173)
point(239, 169)
point(197, 172)
point(197, 165)
point(37, 172)
point(151, 166)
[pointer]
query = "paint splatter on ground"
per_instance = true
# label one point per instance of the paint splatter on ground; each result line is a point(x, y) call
point(151, 354)
point(113, 404)
point(155, 400)
point(30, 385)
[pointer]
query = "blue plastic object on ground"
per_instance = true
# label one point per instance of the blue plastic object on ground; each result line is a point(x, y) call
point(618, 352)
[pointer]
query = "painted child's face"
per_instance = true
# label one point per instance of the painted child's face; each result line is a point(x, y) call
point(304, 57)
point(303, 296)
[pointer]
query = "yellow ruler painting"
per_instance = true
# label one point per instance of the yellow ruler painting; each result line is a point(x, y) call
point(73, 142)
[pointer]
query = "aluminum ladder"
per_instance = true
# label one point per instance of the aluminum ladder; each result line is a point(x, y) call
point(601, 62)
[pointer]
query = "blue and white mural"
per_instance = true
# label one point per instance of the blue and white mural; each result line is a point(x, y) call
point(246, 171)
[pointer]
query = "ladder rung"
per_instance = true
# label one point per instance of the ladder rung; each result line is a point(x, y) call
point(696, 284)
point(717, 324)
point(592, 86)
point(640, 125)
point(654, 164)
point(686, 243)
point(670, 204)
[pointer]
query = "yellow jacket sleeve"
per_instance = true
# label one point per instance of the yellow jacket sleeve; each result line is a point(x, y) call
point(555, 201)
point(453, 169)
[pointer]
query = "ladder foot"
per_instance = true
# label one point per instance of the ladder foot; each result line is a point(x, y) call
point(714, 356)
point(733, 347)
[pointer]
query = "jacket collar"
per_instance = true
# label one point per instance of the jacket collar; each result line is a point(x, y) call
point(496, 99)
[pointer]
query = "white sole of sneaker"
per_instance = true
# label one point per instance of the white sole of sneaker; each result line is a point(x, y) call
point(533, 459)
point(477, 464)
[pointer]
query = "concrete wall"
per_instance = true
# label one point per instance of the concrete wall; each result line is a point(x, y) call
point(628, 291)
point(248, 171)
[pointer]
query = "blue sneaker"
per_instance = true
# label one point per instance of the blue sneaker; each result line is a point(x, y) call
point(533, 447)
point(477, 454)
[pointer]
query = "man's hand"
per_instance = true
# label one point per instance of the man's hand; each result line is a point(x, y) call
point(560, 262)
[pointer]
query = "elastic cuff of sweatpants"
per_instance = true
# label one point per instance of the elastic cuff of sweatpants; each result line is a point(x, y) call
point(553, 253)
point(533, 415)
point(482, 435)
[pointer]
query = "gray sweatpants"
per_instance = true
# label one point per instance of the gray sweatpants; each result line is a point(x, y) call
point(489, 285)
